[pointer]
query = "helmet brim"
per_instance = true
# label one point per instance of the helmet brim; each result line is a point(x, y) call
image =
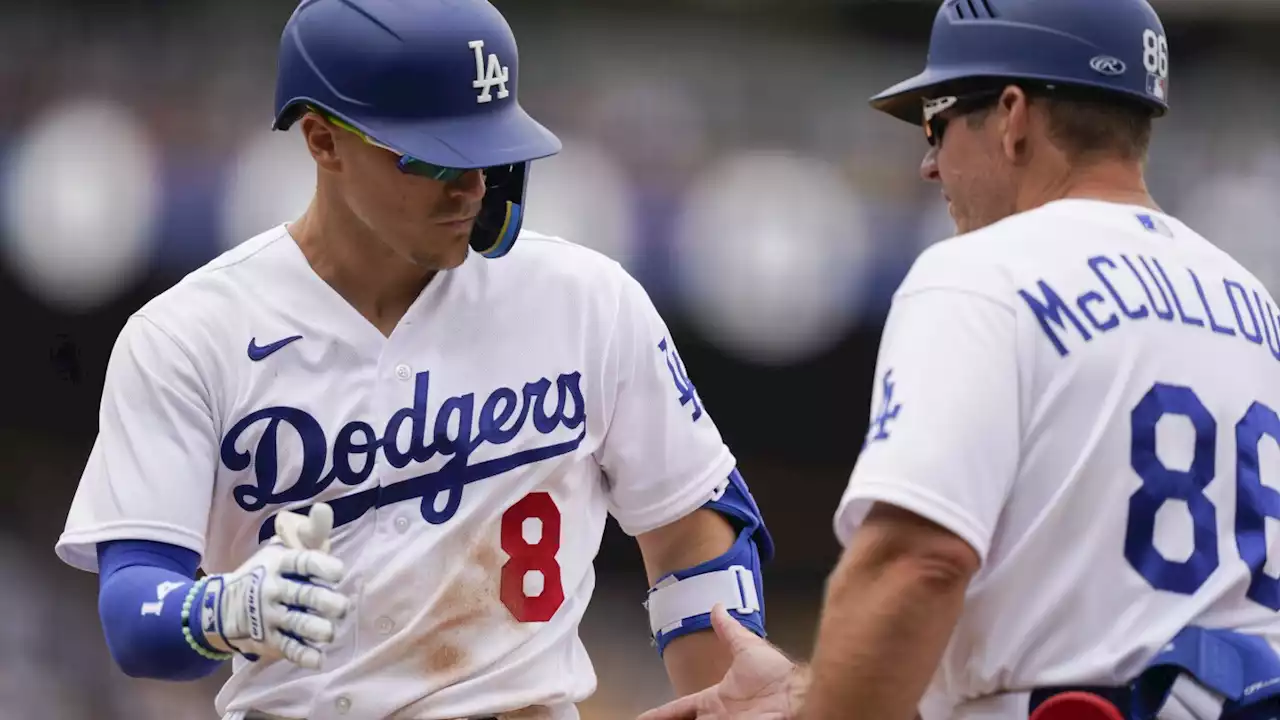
point(506, 137)
point(905, 100)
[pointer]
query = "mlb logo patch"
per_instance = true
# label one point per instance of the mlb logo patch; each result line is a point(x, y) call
point(1154, 224)
point(1157, 87)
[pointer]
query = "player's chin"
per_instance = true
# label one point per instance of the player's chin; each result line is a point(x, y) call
point(442, 250)
point(439, 260)
point(453, 258)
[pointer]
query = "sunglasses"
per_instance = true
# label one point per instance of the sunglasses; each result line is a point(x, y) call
point(408, 165)
point(935, 125)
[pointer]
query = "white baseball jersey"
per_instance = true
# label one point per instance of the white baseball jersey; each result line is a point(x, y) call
point(1086, 393)
point(470, 459)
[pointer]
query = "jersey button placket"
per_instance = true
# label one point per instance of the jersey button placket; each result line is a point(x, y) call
point(404, 373)
point(343, 704)
point(384, 626)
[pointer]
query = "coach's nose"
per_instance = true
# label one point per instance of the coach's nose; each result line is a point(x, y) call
point(929, 166)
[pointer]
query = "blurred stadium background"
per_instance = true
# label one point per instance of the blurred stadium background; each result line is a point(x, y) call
point(721, 149)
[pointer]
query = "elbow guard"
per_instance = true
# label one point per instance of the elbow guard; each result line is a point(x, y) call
point(680, 603)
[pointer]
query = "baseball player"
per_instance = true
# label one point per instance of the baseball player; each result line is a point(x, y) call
point(1062, 508)
point(390, 432)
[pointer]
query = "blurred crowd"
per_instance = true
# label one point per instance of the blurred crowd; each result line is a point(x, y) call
point(725, 155)
point(729, 160)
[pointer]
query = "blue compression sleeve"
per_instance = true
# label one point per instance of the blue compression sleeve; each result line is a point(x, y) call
point(142, 586)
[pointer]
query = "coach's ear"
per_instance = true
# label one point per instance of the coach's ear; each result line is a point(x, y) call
point(322, 141)
point(1015, 124)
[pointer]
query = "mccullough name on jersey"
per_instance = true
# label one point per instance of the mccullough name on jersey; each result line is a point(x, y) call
point(1139, 288)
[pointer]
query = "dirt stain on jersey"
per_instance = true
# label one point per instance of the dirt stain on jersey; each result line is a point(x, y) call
point(445, 658)
point(488, 559)
point(465, 606)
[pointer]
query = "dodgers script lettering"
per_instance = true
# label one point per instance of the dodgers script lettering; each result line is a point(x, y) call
point(457, 432)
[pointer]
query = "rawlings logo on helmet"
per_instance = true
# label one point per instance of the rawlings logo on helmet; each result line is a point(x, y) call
point(1107, 65)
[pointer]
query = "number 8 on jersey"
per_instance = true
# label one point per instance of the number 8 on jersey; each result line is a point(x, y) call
point(527, 558)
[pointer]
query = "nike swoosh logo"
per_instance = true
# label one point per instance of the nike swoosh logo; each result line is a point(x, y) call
point(257, 352)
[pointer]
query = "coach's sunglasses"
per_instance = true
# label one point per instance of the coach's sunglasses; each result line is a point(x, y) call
point(935, 125)
point(407, 164)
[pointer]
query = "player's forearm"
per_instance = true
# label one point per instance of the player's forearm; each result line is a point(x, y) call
point(884, 628)
point(141, 607)
point(698, 660)
point(695, 662)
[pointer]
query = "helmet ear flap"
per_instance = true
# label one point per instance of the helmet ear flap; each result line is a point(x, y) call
point(502, 211)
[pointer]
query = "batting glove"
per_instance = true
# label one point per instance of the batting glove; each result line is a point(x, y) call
point(280, 602)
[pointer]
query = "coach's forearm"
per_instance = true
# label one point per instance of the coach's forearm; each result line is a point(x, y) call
point(884, 627)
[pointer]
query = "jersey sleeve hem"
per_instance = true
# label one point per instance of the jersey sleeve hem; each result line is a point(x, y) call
point(682, 500)
point(78, 548)
point(928, 505)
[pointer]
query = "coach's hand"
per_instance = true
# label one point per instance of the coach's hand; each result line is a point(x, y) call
point(280, 604)
point(762, 684)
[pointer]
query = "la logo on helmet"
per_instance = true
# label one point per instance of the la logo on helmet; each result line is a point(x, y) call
point(495, 74)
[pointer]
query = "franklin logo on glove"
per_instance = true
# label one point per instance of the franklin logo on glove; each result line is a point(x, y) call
point(280, 603)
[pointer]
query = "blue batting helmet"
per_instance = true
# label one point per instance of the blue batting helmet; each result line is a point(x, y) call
point(1111, 46)
point(434, 81)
